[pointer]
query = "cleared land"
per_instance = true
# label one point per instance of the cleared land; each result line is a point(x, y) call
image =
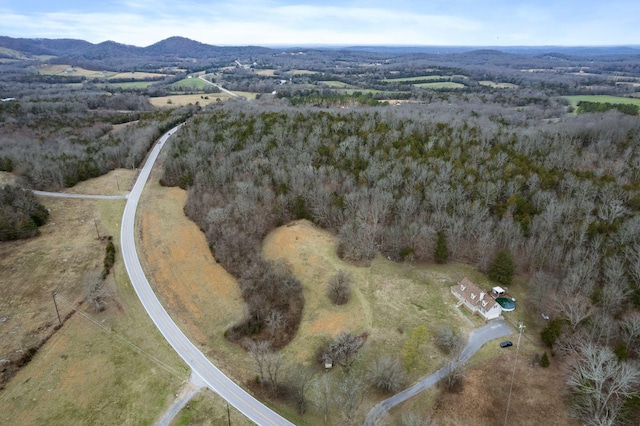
point(536, 398)
point(420, 78)
point(498, 85)
point(188, 83)
point(441, 85)
point(97, 368)
point(78, 71)
point(334, 83)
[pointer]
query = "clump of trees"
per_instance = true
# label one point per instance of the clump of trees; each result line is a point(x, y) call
point(339, 287)
point(592, 107)
point(20, 213)
point(274, 304)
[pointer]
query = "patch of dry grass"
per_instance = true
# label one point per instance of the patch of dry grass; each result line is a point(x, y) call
point(137, 75)
point(537, 397)
point(181, 100)
point(200, 295)
point(208, 409)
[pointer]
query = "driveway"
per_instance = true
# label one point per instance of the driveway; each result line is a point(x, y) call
point(477, 338)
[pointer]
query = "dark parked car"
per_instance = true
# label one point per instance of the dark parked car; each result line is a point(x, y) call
point(506, 344)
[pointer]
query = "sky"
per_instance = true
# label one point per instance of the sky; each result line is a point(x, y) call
point(331, 22)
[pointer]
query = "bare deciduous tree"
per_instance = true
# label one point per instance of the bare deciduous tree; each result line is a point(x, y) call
point(95, 290)
point(349, 396)
point(299, 378)
point(322, 391)
point(268, 362)
point(601, 384)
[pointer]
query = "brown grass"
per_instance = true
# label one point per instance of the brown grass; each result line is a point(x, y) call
point(181, 100)
point(200, 295)
point(97, 368)
point(537, 397)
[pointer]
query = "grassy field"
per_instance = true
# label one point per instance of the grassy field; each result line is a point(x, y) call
point(208, 409)
point(498, 85)
point(189, 84)
point(180, 100)
point(602, 98)
point(441, 85)
point(334, 83)
point(97, 368)
point(137, 75)
point(69, 70)
point(133, 84)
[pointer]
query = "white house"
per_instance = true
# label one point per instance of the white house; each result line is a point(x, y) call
point(476, 300)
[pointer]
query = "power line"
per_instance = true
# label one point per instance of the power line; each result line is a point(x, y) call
point(110, 332)
point(513, 375)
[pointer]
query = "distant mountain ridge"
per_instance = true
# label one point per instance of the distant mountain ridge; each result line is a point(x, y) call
point(185, 47)
point(173, 47)
point(183, 52)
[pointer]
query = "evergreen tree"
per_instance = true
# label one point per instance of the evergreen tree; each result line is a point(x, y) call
point(442, 252)
point(501, 271)
point(544, 361)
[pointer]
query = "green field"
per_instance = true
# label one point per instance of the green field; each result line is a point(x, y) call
point(603, 99)
point(188, 83)
point(441, 85)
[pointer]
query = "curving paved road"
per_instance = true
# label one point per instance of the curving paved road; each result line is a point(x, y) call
point(477, 338)
point(199, 364)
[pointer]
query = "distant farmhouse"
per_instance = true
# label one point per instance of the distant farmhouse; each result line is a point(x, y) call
point(476, 300)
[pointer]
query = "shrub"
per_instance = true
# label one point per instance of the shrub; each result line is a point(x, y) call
point(386, 375)
point(339, 288)
point(544, 361)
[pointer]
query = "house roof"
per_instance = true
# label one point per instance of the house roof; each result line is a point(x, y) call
point(473, 295)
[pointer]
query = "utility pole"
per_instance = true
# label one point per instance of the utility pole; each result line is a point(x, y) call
point(117, 183)
point(513, 375)
point(53, 294)
point(228, 414)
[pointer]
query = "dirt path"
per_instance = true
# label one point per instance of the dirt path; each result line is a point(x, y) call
point(182, 399)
